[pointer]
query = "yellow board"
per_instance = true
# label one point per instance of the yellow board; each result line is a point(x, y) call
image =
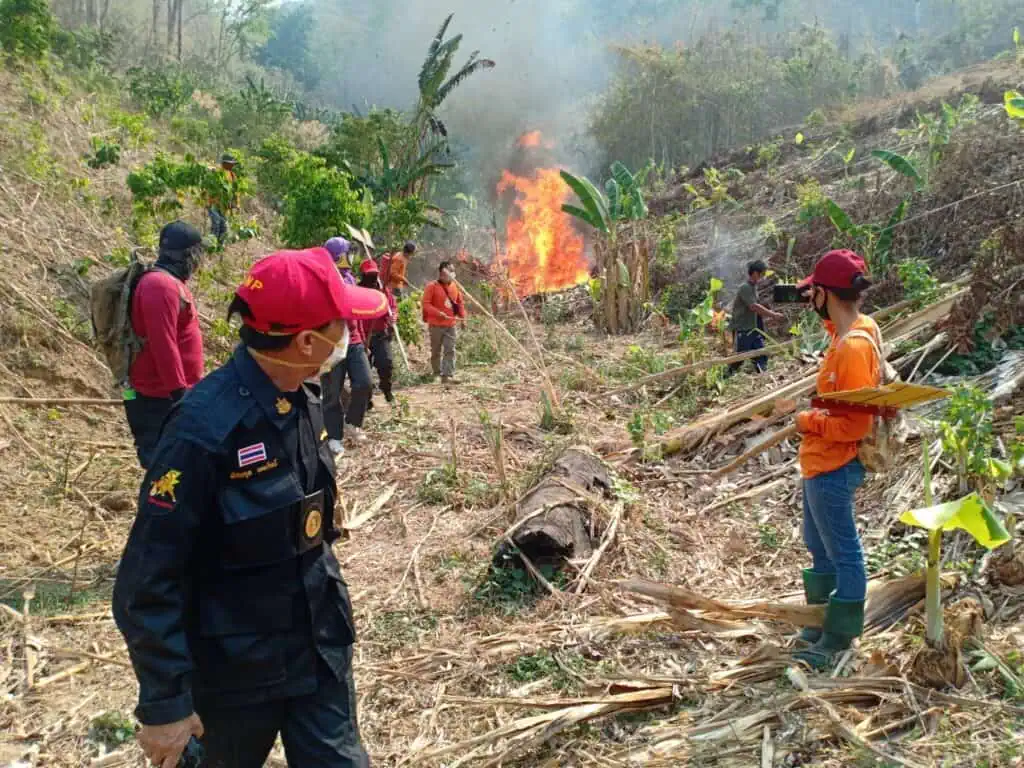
point(899, 394)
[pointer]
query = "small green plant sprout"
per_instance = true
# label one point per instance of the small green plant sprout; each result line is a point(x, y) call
point(918, 283)
point(967, 434)
point(1014, 103)
point(969, 513)
point(700, 316)
point(103, 153)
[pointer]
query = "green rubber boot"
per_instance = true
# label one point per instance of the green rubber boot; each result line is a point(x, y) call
point(817, 589)
point(844, 622)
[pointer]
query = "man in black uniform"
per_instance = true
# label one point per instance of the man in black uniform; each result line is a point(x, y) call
point(229, 597)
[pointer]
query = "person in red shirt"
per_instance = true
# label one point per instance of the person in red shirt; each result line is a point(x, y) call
point(442, 309)
point(379, 333)
point(164, 317)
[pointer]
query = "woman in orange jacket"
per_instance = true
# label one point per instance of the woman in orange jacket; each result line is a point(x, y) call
point(828, 456)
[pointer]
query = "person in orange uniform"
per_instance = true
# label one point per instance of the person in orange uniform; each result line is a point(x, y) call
point(442, 309)
point(828, 456)
point(395, 267)
point(218, 219)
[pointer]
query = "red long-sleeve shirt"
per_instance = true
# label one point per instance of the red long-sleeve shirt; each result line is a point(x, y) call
point(165, 317)
point(381, 324)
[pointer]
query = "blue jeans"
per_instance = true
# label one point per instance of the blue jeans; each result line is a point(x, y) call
point(748, 341)
point(357, 368)
point(218, 224)
point(830, 531)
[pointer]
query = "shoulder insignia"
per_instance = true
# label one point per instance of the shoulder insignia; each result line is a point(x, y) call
point(323, 434)
point(165, 486)
point(283, 406)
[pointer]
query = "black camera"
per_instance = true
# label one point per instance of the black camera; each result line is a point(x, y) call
point(790, 294)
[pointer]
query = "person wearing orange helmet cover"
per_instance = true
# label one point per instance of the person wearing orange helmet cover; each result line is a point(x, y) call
point(828, 456)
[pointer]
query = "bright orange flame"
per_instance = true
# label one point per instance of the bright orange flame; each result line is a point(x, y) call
point(530, 139)
point(543, 252)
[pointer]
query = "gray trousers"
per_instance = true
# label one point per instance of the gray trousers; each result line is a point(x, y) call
point(442, 350)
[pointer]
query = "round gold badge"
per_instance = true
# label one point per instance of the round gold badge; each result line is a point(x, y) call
point(313, 520)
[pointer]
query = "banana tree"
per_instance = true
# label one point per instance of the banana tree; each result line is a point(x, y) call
point(623, 250)
point(969, 513)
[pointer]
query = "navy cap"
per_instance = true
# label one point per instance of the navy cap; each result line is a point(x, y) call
point(179, 236)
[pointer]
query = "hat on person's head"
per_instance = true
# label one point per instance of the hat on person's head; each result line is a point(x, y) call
point(179, 236)
point(228, 159)
point(292, 291)
point(338, 247)
point(369, 267)
point(836, 269)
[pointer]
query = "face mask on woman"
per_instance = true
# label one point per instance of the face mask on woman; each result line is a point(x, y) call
point(823, 309)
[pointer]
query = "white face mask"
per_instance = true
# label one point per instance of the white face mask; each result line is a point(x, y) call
point(338, 354)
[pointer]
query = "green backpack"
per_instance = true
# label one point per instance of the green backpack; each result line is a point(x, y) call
point(110, 304)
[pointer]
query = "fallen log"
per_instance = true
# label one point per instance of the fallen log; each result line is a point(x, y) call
point(554, 518)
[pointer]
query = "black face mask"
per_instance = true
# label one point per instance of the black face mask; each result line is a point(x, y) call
point(823, 309)
point(181, 264)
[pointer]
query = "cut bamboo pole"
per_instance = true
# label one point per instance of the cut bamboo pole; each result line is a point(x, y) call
point(757, 450)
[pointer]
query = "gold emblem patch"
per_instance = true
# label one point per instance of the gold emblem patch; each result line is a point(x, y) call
point(313, 520)
point(165, 485)
point(323, 435)
point(283, 406)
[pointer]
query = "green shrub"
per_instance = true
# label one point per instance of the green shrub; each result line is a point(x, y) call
point(133, 126)
point(160, 185)
point(319, 204)
point(918, 282)
point(192, 131)
point(253, 114)
point(160, 91)
point(812, 199)
point(27, 28)
point(85, 48)
point(409, 327)
point(103, 153)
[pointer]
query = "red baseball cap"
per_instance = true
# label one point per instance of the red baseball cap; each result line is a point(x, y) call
point(292, 291)
point(369, 267)
point(836, 269)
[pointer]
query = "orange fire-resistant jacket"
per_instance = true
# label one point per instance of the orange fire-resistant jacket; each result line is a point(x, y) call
point(442, 304)
point(399, 262)
point(830, 439)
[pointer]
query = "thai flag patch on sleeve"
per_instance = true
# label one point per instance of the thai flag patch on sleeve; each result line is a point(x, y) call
point(252, 454)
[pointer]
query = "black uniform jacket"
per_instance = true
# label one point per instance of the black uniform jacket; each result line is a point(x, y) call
point(228, 591)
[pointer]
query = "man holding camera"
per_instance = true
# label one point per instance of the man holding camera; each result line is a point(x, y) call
point(748, 316)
